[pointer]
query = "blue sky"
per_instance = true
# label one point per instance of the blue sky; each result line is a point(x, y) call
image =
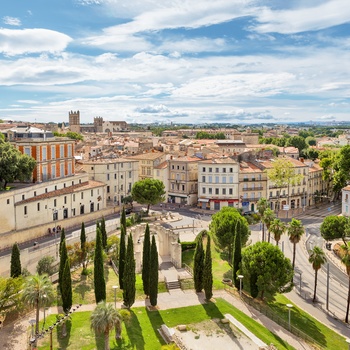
point(238, 61)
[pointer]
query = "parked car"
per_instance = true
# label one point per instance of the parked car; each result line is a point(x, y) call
point(249, 212)
point(128, 210)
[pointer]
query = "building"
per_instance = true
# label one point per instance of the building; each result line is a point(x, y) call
point(161, 173)
point(183, 180)
point(74, 121)
point(119, 175)
point(218, 183)
point(345, 201)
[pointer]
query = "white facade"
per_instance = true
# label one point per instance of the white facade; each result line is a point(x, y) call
point(345, 200)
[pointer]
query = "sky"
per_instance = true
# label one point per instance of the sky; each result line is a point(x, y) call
point(179, 61)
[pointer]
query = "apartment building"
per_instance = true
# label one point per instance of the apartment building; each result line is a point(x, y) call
point(161, 173)
point(345, 199)
point(218, 183)
point(183, 180)
point(252, 185)
point(317, 187)
point(119, 175)
point(148, 161)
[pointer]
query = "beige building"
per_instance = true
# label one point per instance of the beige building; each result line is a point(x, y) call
point(183, 180)
point(252, 185)
point(147, 163)
point(345, 199)
point(118, 174)
point(317, 187)
point(218, 183)
point(161, 173)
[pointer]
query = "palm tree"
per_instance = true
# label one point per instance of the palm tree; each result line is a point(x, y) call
point(262, 205)
point(38, 291)
point(295, 231)
point(268, 216)
point(346, 261)
point(104, 318)
point(278, 228)
point(317, 258)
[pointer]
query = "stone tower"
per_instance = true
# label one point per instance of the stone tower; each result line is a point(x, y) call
point(74, 121)
point(98, 123)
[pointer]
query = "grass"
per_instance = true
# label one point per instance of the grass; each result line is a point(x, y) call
point(141, 332)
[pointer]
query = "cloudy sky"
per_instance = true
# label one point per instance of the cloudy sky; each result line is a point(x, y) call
point(238, 61)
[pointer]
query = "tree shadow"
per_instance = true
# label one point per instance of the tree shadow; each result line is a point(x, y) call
point(156, 321)
point(134, 331)
point(62, 340)
point(106, 272)
point(82, 289)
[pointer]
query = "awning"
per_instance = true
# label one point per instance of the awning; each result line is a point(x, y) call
point(203, 200)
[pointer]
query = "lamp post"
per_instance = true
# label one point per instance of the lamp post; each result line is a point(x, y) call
point(300, 273)
point(115, 296)
point(289, 306)
point(240, 285)
point(32, 337)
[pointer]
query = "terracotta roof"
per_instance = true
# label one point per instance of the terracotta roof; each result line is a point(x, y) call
point(162, 165)
point(147, 155)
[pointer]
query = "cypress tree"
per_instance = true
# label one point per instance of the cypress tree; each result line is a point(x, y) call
point(63, 259)
point(129, 290)
point(208, 273)
point(153, 274)
point(16, 268)
point(123, 219)
point(103, 233)
point(66, 290)
point(99, 278)
point(198, 266)
point(83, 244)
point(63, 238)
point(237, 255)
point(146, 261)
point(122, 252)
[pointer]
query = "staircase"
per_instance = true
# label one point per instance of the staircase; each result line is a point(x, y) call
point(171, 285)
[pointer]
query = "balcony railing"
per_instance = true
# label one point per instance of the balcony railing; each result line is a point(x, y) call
point(252, 188)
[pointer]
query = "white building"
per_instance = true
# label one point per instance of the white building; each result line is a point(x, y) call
point(345, 200)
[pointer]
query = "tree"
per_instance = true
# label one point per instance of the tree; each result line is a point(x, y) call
point(63, 259)
point(62, 238)
point(207, 272)
point(153, 275)
point(317, 258)
point(223, 226)
point(272, 270)
point(198, 266)
point(237, 256)
point(66, 290)
point(346, 261)
point(333, 227)
point(38, 291)
point(99, 278)
point(83, 245)
point(45, 265)
point(278, 228)
point(295, 231)
point(129, 278)
point(10, 294)
point(146, 262)
point(268, 217)
point(14, 165)
point(103, 233)
point(16, 268)
point(123, 219)
point(262, 205)
point(103, 319)
point(122, 253)
point(148, 191)
point(297, 142)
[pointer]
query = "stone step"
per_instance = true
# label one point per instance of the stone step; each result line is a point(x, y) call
point(173, 285)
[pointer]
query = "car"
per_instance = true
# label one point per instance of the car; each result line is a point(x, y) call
point(128, 210)
point(246, 213)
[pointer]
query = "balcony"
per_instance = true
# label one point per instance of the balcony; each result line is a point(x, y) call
point(252, 188)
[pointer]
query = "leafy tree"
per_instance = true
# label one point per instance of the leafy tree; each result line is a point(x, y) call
point(310, 153)
point(14, 165)
point(63, 259)
point(317, 258)
point(148, 191)
point(198, 266)
point(16, 268)
point(66, 290)
point(45, 265)
point(273, 270)
point(223, 226)
point(103, 319)
point(146, 262)
point(83, 245)
point(237, 256)
point(297, 142)
point(295, 231)
point(208, 272)
point(262, 205)
point(153, 274)
point(99, 278)
point(333, 227)
point(278, 228)
point(103, 233)
point(122, 253)
point(37, 291)
point(129, 278)
point(311, 141)
point(10, 294)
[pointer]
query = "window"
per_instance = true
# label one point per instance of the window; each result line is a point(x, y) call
point(210, 179)
point(8, 201)
point(62, 151)
point(27, 151)
point(210, 170)
point(203, 190)
point(203, 169)
point(92, 168)
point(108, 189)
point(183, 187)
point(203, 179)
point(73, 212)
point(217, 179)
point(55, 202)
point(183, 167)
point(210, 190)
point(53, 171)
point(69, 150)
point(44, 155)
point(56, 188)
point(224, 179)
point(130, 175)
point(107, 166)
point(230, 179)
point(230, 191)
point(216, 191)
point(81, 209)
point(216, 170)
point(231, 170)
point(115, 176)
point(107, 177)
point(178, 167)
point(224, 170)
point(62, 170)
point(172, 167)
point(38, 206)
point(53, 153)
point(224, 191)
point(82, 195)
point(73, 197)
point(65, 199)
point(23, 197)
point(45, 190)
point(25, 210)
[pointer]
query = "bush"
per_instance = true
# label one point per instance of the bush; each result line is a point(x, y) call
point(188, 245)
point(45, 265)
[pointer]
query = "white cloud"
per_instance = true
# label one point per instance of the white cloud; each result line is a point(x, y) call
point(12, 21)
point(17, 42)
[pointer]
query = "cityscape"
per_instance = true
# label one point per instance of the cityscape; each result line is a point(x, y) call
point(174, 176)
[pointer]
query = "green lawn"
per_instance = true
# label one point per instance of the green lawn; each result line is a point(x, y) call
point(141, 332)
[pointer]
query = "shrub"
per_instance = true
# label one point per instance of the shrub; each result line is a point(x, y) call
point(188, 245)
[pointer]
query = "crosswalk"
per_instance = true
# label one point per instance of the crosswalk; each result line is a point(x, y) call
point(321, 212)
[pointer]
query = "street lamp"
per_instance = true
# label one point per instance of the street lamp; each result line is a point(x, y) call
point(115, 296)
point(289, 306)
point(32, 337)
point(240, 285)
